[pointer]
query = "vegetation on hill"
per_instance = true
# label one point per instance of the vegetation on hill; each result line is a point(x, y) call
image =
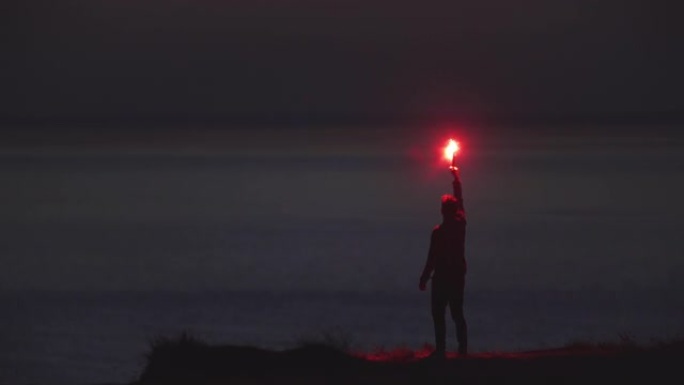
point(188, 360)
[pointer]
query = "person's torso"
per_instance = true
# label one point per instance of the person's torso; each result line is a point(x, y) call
point(449, 249)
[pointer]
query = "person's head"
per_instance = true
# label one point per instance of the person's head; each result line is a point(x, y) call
point(449, 206)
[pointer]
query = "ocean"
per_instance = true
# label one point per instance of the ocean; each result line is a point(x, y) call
point(102, 337)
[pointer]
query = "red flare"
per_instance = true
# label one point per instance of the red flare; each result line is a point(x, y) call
point(451, 150)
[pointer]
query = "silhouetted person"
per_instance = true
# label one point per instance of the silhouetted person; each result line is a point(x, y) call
point(446, 258)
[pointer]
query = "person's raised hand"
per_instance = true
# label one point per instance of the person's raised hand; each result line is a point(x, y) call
point(455, 172)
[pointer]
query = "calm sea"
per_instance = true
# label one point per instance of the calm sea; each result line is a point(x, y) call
point(94, 338)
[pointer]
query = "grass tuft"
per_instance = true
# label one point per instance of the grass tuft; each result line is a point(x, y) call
point(335, 339)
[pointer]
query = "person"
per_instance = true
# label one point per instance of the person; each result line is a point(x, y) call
point(446, 258)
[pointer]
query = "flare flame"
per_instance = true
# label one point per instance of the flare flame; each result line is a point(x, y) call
point(451, 150)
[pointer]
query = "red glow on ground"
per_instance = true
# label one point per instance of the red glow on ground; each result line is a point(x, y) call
point(409, 355)
point(401, 355)
point(395, 355)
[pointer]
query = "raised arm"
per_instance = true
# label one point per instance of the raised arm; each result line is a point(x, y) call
point(458, 189)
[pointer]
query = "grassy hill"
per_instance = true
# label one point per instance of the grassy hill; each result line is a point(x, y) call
point(188, 361)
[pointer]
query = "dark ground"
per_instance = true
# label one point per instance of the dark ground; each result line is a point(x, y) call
point(186, 361)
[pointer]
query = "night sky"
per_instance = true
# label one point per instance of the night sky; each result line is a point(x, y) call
point(208, 58)
point(295, 144)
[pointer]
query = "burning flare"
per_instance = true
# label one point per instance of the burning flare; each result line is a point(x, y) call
point(451, 150)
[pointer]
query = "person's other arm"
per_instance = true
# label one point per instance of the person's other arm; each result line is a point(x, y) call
point(429, 263)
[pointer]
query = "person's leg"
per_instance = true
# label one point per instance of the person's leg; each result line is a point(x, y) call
point(456, 307)
point(439, 303)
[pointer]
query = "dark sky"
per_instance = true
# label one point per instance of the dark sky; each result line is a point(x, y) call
point(212, 59)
